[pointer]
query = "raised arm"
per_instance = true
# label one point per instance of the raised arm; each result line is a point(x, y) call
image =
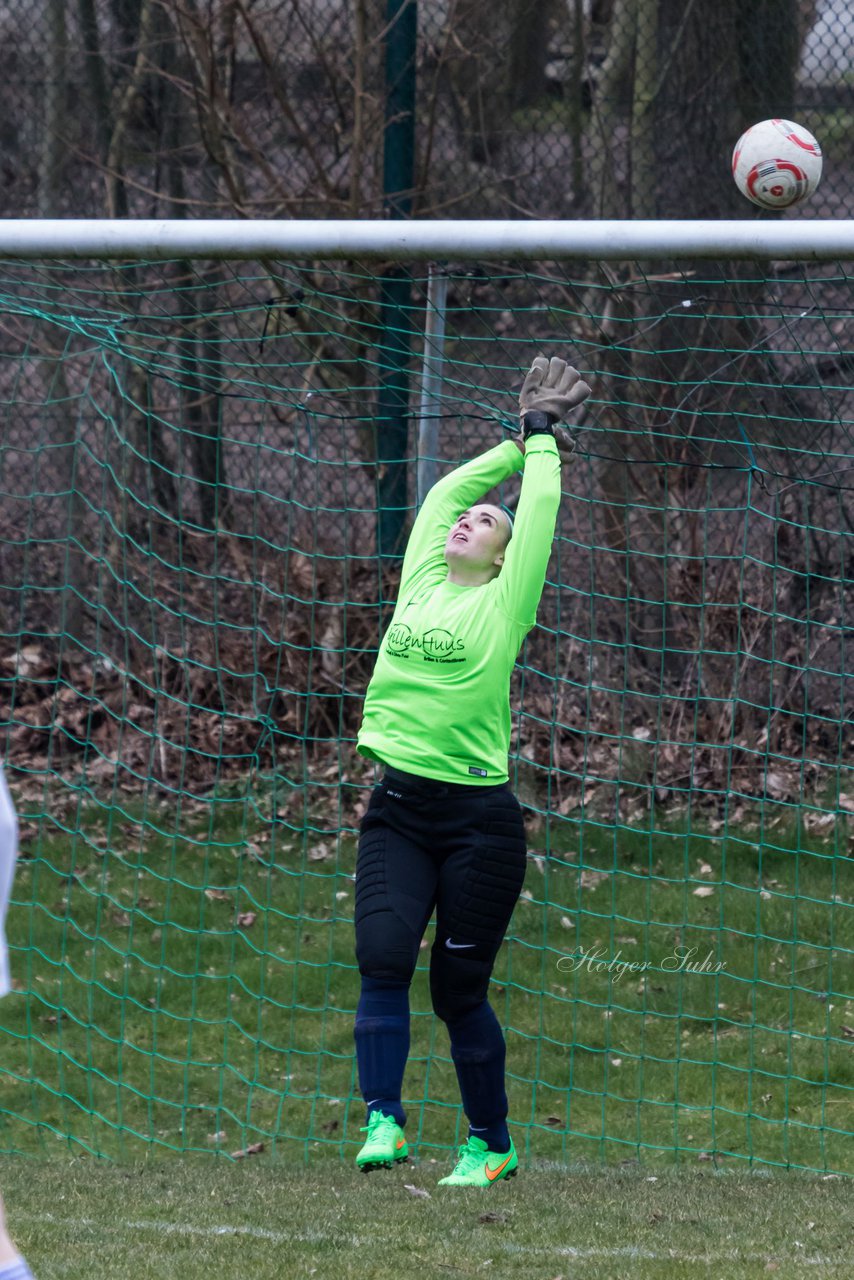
point(452, 494)
point(520, 583)
point(551, 389)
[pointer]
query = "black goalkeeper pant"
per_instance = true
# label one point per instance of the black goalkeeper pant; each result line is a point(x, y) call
point(459, 850)
point(428, 845)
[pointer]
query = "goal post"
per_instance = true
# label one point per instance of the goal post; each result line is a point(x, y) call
point(797, 239)
point(193, 588)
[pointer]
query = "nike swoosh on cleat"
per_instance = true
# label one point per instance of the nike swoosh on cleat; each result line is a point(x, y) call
point(492, 1174)
point(459, 946)
point(401, 1142)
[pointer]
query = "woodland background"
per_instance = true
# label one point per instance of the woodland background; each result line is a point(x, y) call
point(205, 569)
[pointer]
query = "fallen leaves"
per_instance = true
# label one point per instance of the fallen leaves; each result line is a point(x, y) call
point(184, 707)
point(590, 879)
point(814, 820)
point(254, 1149)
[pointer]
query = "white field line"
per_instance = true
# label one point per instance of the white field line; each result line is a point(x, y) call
point(581, 1254)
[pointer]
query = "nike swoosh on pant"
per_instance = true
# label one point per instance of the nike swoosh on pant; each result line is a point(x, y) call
point(459, 946)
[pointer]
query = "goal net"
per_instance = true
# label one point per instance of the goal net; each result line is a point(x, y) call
point(209, 462)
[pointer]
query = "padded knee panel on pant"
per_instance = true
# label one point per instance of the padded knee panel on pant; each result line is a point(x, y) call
point(479, 890)
point(390, 920)
point(386, 950)
point(457, 984)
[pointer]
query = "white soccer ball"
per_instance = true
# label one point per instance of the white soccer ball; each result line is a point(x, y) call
point(776, 164)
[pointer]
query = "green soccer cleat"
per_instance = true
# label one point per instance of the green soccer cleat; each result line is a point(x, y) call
point(385, 1145)
point(477, 1166)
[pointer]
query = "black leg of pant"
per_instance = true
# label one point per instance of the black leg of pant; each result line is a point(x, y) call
point(478, 889)
point(395, 891)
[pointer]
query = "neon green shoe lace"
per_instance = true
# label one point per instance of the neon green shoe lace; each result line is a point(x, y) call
point(377, 1126)
point(477, 1166)
point(470, 1158)
point(385, 1144)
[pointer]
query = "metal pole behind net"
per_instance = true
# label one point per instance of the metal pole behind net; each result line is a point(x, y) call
point(431, 382)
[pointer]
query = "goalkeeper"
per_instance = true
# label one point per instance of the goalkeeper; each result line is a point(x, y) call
point(12, 1265)
point(443, 830)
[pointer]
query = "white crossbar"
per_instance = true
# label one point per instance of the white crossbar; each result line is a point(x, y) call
point(788, 239)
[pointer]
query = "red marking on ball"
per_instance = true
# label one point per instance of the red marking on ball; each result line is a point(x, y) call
point(811, 147)
point(758, 172)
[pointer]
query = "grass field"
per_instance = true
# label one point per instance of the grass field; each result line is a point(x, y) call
point(193, 1219)
point(193, 989)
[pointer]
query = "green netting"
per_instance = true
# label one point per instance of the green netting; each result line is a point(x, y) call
point(194, 583)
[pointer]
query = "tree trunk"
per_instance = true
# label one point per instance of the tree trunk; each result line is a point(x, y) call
point(202, 408)
point(123, 112)
point(96, 77)
point(497, 64)
point(679, 73)
point(608, 114)
point(53, 143)
point(75, 617)
point(575, 89)
point(643, 132)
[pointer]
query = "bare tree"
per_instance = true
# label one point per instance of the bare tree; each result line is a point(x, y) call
point(52, 150)
point(679, 83)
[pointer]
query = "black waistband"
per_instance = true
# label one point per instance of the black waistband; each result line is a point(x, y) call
point(429, 786)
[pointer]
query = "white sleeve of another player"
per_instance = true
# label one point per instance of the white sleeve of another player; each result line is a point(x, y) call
point(8, 854)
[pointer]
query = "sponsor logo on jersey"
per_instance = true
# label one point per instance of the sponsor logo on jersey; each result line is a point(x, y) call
point(435, 645)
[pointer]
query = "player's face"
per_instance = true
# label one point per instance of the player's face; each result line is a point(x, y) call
point(478, 538)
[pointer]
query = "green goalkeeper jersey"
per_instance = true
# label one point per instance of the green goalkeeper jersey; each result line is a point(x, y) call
point(438, 703)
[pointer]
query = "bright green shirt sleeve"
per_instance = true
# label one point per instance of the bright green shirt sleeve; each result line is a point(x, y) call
point(520, 583)
point(424, 560)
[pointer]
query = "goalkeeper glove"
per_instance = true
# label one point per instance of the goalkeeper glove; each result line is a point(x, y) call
point(552, 388)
